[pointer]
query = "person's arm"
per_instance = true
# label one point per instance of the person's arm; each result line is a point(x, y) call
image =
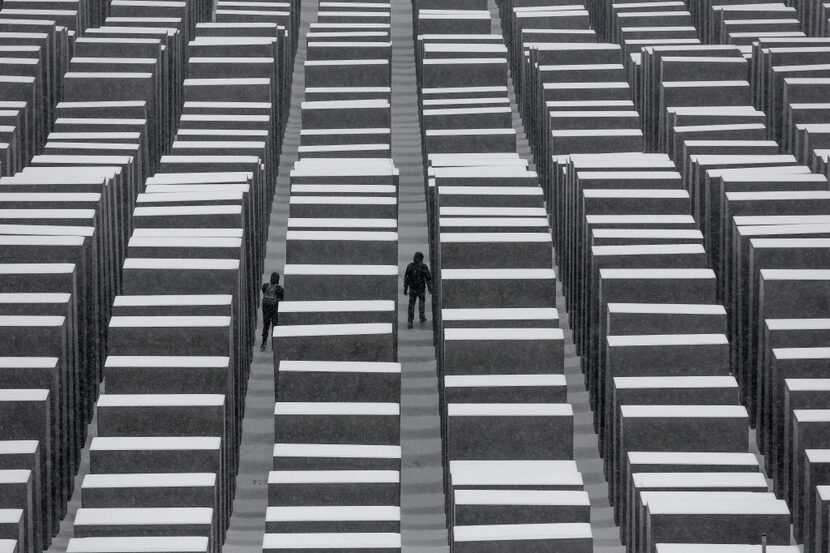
point(264, 287)
point(280, 293)
point(406, 278)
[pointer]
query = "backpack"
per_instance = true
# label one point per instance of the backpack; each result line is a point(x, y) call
point(418, 276)
point(269, 297)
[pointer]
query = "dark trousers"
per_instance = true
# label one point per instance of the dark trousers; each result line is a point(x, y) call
point(419, 296)
point(269, 318)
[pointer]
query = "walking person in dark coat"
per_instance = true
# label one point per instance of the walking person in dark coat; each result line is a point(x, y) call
point(416, 281)
point(272, 295)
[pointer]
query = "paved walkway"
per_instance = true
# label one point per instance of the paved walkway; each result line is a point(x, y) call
point(423, 523)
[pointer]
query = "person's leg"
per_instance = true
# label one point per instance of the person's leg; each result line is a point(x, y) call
point(413, 296)
point(422, 304)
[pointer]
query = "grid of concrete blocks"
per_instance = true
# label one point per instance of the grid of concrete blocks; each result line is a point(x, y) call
point(680, 149)
point(335, 483)
point(139, 144)
point(678, 184)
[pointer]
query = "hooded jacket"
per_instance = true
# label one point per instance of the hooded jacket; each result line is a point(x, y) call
point(417, 277)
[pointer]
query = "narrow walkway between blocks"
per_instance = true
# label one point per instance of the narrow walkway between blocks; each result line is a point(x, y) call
point(247, 524)
point(423, 521)
point(61, 541)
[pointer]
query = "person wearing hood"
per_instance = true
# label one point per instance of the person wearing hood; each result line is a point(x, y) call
point(272, 295)
point(416, 281)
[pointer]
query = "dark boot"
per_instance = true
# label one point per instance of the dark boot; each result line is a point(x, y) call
point(409, 323)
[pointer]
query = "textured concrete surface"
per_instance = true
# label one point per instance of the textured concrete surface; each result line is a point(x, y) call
point(60, 541)
point(586, 452)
